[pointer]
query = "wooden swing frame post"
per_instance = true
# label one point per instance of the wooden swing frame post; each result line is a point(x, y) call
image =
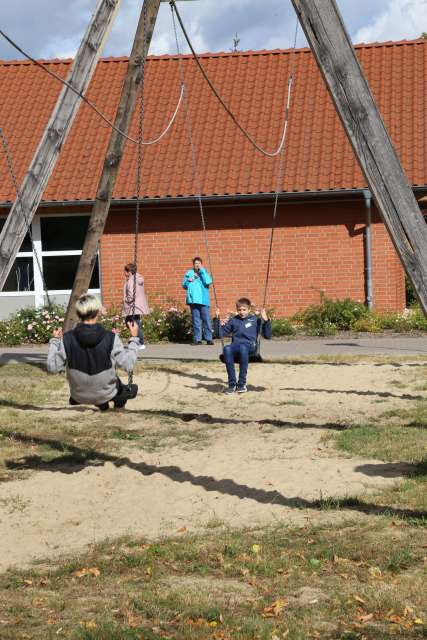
point(54, 136)
point(365, 129)
point(98, 217)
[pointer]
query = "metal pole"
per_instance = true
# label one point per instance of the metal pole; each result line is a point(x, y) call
point(368, 249)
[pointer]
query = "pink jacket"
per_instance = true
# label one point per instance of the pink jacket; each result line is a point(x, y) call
point(141, 304)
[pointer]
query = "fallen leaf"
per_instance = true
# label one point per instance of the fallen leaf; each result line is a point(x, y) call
point(375, 572)
point(256, 548)
point(90, 625)
point(418, 621)
point(28, 583)
point(275, 608)
point(395, 619)
point(182, 529)
point(81, 573)
point(51, 621)
point(366, 618)
point(359, 599)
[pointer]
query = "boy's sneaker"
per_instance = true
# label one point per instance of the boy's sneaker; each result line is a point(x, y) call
point(142, 346)
point(230, 389)
point(210, 342)
point(241, 388)
point(103, 407)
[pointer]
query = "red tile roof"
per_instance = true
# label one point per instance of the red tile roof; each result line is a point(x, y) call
point(254, 84)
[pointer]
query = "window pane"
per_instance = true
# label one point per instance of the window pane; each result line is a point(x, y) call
point(26, 245)
point(60, 271)
point(21, 276)
point(63, 233)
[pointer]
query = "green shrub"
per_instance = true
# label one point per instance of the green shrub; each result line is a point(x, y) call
point(417, 320)
point(282, 327)
point(411, 298)
point(330, 315)
point(369, 324)
point(374, 321)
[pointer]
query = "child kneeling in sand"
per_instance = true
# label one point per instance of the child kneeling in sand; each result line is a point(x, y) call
point(244, 328)
point(89, 354)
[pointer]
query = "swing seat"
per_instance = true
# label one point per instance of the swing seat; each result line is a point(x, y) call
point(253, 357)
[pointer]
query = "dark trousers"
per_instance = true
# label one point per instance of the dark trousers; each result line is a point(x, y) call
point(136, 318)
point(124, 393)
point(243, 351)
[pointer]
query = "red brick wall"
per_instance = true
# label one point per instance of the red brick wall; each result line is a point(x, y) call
point(316, 247)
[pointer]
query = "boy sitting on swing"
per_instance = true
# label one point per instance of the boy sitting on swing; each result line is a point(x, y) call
point(244, 328)
point(90, 353)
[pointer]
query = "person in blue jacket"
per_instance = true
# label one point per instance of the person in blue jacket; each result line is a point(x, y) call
point(244, 328)
point(196, 282)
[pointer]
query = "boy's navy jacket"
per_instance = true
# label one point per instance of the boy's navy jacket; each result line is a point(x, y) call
point(246, 330)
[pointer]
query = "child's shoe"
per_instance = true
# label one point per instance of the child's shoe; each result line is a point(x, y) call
point(241, 388)
point(230, 389)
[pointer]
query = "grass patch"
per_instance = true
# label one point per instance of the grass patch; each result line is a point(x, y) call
point(360, 580)
point(386, 442)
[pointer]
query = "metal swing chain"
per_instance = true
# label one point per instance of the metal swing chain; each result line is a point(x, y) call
point(14, 179)
point(139, 165)
point(194, 159)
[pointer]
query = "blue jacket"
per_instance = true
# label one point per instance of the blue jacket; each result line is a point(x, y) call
point(198, 289)
point(246, 330)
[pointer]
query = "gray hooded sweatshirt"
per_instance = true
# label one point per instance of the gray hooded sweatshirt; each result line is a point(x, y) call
point(89, 354)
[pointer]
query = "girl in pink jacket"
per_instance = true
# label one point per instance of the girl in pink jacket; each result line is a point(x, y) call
point(134, 285)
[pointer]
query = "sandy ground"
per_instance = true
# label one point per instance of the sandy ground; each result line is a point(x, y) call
point(259, 457)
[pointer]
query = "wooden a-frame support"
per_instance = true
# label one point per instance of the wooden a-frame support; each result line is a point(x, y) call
point(348, 87)
point(56, 131)
point(98, 217)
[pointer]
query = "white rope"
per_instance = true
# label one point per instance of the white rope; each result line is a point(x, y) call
point(248, 136)
point(91, 104)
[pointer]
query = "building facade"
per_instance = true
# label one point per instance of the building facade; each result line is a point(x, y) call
point(318, 243)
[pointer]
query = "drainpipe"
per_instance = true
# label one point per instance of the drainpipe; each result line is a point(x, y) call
point(368, 249)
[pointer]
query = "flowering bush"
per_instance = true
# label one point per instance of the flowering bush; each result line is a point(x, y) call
point(173, 324)
point(31, 325)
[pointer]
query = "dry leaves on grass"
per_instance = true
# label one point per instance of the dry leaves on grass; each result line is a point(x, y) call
point(82, 573)
point(275, 609)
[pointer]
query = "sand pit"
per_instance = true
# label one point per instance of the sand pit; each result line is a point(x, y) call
point(241, 460)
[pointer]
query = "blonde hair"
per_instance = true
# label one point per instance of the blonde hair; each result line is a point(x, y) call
point(88, 306)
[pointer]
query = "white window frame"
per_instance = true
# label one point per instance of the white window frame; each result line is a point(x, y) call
point(38, 291)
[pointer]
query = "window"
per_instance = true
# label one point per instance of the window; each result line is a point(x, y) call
point(21, 276)
point(58, 242)
point(60, 271)
point(63, 234)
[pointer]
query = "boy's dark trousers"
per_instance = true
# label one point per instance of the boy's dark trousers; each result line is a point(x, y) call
point(244, 351)
point(124, 393)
